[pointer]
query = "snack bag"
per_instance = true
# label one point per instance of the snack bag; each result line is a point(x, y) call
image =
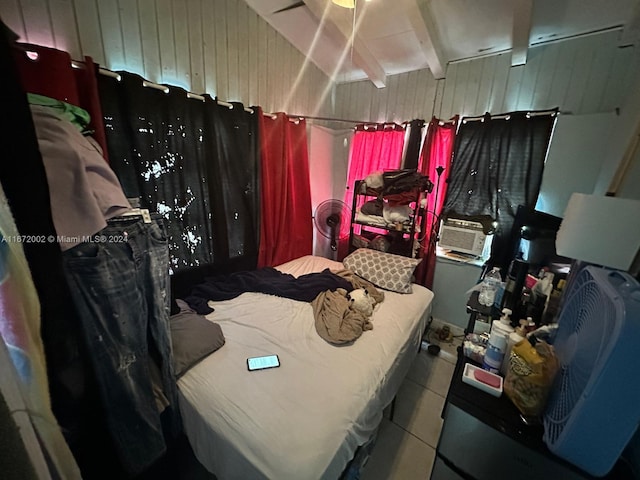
point(530, 375)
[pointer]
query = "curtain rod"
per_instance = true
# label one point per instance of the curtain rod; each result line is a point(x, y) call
point(357, 122)
point(508, 115)
point(165, 89)
point(330, 119)
point(294, 117)
point(157, 86)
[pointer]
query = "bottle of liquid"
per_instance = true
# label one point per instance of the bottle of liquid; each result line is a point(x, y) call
point(516, 336)
point(514, 282)
point(500, 330)
point(489, 287)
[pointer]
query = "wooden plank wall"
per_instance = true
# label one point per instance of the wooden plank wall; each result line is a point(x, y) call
point(220, 47)
point(581, 76)
point(223, 48)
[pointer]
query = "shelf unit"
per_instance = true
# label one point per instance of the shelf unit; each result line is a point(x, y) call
point(400, 236)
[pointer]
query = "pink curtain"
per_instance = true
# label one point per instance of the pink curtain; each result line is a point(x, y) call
point(374, 149)
point(286, 229)
point(435, 157)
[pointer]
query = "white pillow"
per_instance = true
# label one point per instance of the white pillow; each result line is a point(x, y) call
point(384, 270)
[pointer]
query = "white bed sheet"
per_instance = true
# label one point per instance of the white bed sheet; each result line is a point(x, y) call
point(305, 419)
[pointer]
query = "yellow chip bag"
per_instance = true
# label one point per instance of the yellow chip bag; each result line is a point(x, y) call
point(530, 376)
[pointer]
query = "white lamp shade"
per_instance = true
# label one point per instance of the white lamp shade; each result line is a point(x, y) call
point(600, 230)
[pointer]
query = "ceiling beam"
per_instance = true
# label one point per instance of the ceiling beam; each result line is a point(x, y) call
point(362, 57)
point(423, 23)
point(521, 30)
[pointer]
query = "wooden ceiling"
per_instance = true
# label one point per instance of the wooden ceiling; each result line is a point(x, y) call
point(380, 38)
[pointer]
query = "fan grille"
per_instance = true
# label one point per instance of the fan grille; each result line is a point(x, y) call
point(584, 338)
point(335, 210)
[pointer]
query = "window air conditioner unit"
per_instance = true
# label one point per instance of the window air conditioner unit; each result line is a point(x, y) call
point(462, 236)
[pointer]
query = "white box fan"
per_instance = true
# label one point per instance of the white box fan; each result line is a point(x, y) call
point(594, 407)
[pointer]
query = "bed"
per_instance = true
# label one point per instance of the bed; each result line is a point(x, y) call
point(307, 418)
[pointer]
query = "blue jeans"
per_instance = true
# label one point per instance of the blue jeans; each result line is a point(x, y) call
point(120, 286)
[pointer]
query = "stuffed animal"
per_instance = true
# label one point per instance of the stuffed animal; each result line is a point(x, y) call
point(361, 301)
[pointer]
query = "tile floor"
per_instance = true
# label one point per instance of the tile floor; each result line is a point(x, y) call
point(405, 448)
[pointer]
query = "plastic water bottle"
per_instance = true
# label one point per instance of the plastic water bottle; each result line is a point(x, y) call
point(489, 287)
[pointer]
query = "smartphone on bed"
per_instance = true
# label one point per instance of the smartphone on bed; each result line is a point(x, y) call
point(260, 363)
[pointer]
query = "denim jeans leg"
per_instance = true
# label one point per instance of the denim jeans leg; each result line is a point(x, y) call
point(151, 251)
point(111, 303)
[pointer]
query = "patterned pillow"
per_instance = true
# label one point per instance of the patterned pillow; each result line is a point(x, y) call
point(384, 270)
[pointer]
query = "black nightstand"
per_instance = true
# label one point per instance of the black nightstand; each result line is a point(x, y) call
point(483, 438)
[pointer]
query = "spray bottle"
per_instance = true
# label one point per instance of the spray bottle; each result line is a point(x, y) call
point(500, 330)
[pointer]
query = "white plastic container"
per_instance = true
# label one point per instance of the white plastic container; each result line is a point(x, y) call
point(516, 336)
point(485, 381)
point(497, 346)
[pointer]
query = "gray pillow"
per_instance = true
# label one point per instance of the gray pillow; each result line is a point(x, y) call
point(193, 337)
point(384, 270)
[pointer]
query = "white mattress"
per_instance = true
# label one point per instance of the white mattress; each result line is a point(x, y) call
point(305, 419)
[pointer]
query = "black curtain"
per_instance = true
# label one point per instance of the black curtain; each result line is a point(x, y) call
point(236, 174)
point(497, 166)
point(194, 162)
point(412, 152)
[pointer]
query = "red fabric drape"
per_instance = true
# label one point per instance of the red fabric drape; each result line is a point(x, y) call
point(51, 74)
point(372, 151)
point(286, 229)
point(436, 152)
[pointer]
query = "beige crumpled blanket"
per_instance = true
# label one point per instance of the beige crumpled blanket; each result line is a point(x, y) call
point(335, 321)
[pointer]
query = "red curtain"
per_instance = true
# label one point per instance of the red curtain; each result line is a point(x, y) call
point(436, 154)
point(47, 71)
point(374, 149)
point(286, 229)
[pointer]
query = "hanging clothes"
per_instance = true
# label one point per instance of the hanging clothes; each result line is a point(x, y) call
point(117, 269)
point(20, 330)
point(120, 285)
point(79, 117)
point(24, 183)
point(49, 72)
point(83, 188)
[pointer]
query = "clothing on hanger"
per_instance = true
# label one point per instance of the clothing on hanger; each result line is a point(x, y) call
point(78, 117)
point(120, 284)
point(84, 191)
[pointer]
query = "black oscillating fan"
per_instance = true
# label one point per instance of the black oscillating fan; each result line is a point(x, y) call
point(332, 219)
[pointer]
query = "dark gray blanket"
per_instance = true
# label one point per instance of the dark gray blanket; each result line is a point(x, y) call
point(264, 280)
